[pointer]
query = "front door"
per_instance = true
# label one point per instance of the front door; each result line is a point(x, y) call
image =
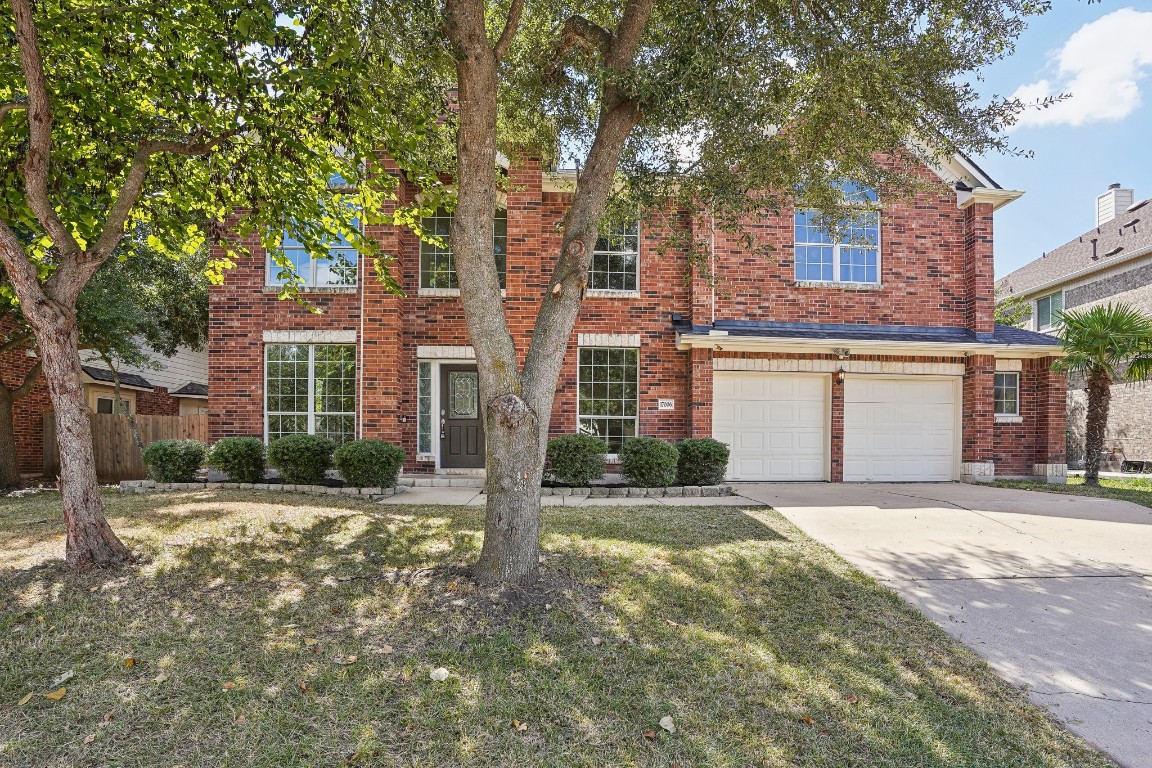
point(461, 428)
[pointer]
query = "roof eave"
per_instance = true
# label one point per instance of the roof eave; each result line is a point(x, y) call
point(997, 198)
point(1073, 276)
point(724, 343)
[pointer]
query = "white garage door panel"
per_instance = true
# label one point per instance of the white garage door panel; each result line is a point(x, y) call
point(774, 423)
point(899, 430)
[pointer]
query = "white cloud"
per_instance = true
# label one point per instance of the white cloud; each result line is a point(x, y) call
point(1101, 66)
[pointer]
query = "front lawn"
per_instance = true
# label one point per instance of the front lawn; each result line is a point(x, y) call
point(1134, 489)
point(272, 630)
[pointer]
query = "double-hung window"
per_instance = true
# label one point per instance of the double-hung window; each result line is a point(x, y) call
point(1048, 309)
point(336, 269)
point(608, 394)
point(616, 260)
point(850, 254)
point(310, 389)
point(1006, 393)
point(437, 267)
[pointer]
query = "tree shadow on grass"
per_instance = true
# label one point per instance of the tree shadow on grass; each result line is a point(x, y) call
point(307, 638)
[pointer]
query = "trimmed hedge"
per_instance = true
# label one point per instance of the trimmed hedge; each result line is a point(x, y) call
point(703, 461)
point(576, 459)
point(241, 458)
point(301, 459)
point(174, 461)
point(369, 463)
point(647, 462)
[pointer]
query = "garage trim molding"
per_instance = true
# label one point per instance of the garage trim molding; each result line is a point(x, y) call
point(776, 365)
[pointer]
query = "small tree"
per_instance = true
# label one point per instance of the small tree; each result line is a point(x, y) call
point(1012, 309)
point(1105, 344)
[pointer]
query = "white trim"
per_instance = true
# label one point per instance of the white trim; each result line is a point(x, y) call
point(902, 348)
point(609, 340)
point(189, 397)
point(1036, 311)
point(460, 354)
point(1009, 366)
point(309, 337)
point(841, 285)
point(835, 282)
point(580, 348)
point(778, 365)
point(1005, 418)
point(614, 292)
point(447, 292)
point(608, 293)
point(997, 198)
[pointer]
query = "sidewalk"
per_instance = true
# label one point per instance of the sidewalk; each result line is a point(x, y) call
point(432, 496)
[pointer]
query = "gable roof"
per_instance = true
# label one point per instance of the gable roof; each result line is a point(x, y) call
point(1126, 237)
point(191, 389)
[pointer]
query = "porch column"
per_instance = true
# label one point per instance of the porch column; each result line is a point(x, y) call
point(1052, 420)
point(700, 407)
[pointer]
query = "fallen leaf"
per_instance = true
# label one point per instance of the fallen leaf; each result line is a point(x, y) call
point(109, 715)
point(596, 641)
point(160, 677)
point(439, 674)
point(90, 738)
point(650, 735)
point(229, 685)
point(130, 662)
point(668, 724)
point(303, 687)
point(27, 698)
point(453, 585)
point(39, 618)
point(384, 649)
point(240, 720)
point(808, 720)
point(851, 699)
point(519, 725)
point(317, 649)
point(56, 695)
point(674, 624)
point(346, 660)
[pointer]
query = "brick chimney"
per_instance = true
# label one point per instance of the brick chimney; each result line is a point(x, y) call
point(1112, 203)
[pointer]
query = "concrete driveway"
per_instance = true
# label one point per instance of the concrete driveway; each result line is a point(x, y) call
point(1054, 591)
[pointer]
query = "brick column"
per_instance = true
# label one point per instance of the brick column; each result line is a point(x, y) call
point(1051, 423)
point(979, 269)
point(979, 420)
point(700, 408)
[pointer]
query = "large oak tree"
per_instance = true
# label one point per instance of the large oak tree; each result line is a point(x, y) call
point(137, 113)
point(729, 107)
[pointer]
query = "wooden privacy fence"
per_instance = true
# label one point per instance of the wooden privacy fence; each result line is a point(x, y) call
point(117, 457)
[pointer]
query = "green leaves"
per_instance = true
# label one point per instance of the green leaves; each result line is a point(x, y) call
point(1114, 339)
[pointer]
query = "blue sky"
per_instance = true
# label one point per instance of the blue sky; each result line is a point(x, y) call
point(1102, 55)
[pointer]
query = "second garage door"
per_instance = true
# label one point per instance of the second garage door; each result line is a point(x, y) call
point(899, 429)
point(774, 424)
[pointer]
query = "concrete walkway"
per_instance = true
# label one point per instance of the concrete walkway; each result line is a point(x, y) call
point(1053, 590)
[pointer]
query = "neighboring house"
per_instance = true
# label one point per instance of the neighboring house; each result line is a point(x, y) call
point(1110, 263)
point(873, 360)
point(176, 387)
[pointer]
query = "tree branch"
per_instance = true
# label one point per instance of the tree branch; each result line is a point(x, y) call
point(16, 341)
point(510, 28)
point(29, 381)
point(579, 31)
point(38, 159)
point(12, 106)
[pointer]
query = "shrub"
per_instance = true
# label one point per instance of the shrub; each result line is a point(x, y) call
point(369, 463)
point(241, 458)
point(301, 459)
point(648, 463)
point(174, 461)
point(703, 461)
point(576, 459)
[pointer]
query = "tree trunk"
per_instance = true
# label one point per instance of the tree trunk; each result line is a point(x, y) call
point(9, 467)
point(1099, 399)
point(90, 540)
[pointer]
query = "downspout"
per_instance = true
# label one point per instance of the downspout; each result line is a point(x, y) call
point(712, 260)
point(360, 285)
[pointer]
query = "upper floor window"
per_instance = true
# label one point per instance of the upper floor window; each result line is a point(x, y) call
point(437, 268)
point(1006, 393)
point(616, 260)
point(851, 255)
point(1048, 309)
point(338, 268)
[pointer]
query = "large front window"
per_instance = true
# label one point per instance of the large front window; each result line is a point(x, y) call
point(608, 394)
point(437, 267)
point(616, 260)
point(337, 268)
point(1048, 309)
point(311, 389)
point(846, 254)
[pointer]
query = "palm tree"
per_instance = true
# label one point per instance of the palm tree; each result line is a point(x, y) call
point(1105, 344)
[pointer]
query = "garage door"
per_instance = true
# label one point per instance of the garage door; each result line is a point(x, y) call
point(774, 424)
point(899, 430)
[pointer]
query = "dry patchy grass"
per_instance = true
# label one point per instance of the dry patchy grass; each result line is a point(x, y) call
point(243, 616)
point(1135, 489)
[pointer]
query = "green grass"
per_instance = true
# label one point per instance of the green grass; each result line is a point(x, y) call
point(765, 648)
point(1135, 489)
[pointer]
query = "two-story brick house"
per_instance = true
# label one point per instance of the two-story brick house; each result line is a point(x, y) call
point(1110, 263)
point(873, 359)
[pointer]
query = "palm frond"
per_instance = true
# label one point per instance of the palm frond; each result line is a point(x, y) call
point(1107, 338)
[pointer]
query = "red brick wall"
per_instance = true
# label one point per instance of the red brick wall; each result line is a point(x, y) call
point(980, 304)
point(1039, 438)
point(28, 412)
point(979, 409)
point(157, 403)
